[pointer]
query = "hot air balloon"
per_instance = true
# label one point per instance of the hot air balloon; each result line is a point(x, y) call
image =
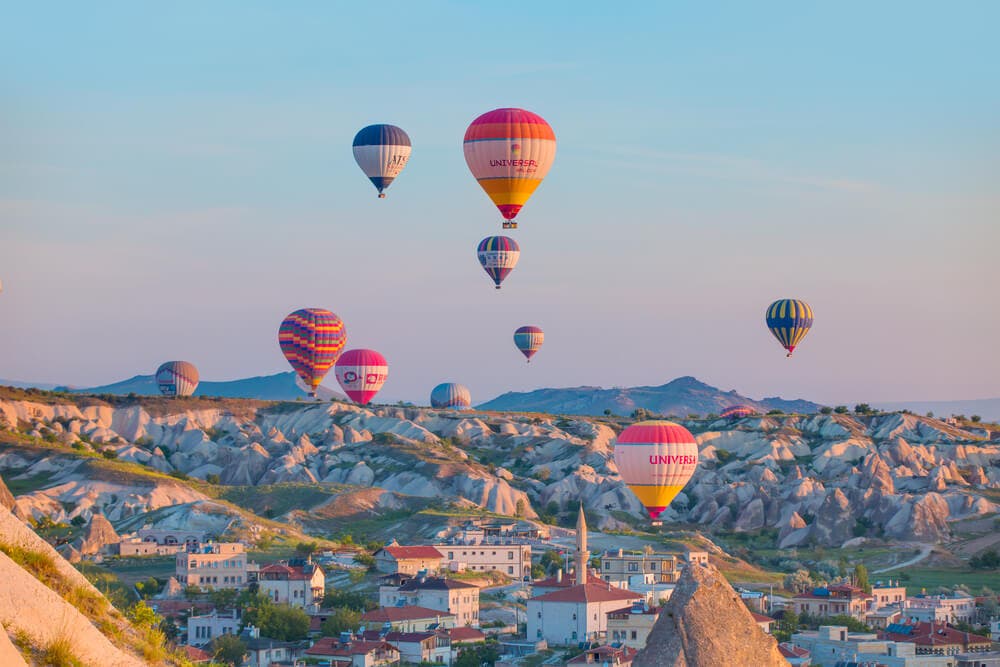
point(451, 395)
point(529, 339)
point(789, 320)
point(381, 151)
point(361, 373)
point(498, 255)
point(311, 340)
point(738, 412)
point(177, 378)
point(656, 459)
point(509, 151)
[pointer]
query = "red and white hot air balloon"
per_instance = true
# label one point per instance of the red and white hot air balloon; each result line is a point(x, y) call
point(361, 373)
point(656, 459)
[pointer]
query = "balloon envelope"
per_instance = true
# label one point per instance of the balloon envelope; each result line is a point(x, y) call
point(177, 378)
point(509, 152)
point(311, 340)
point(450, 395)
point(656, 459)
point(529, 339)
point(361, 374)
point(498, 255)
point(789, 321)
point(738, 412)
point(381, 151)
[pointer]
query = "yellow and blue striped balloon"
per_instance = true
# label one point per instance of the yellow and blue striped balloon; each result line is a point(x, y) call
point(789, 320)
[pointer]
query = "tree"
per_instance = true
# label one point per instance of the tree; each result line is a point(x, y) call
point(841, 410)
point(519, 508)
point(349, 600)
point(213, 479)
point(303, 549)
point(976, 419)
point(275, 621)
point(776, 412)
point(988, 560)
point(142, 615)
point(930, 415)
point(825, 410)
point(861, 578)
point(228, 649)
point(607, 412)
point(798, 581)
point(863, 409)
point(478, 655)
point(340, 620)
point(223, 597)
point(551, 561)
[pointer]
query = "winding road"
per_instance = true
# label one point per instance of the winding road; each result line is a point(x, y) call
point(925, 551)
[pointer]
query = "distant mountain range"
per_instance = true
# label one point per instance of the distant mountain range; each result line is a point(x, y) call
point(278, 387)
point(680, 397)
point(987, 408)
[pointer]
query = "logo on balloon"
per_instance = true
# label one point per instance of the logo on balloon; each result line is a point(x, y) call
point(515, 149)
point(350, 376)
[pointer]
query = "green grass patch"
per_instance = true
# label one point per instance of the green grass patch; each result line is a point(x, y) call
point(276, 499)
point(931, 578)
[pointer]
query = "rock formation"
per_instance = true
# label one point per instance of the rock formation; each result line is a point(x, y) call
point(6, 497)
point(98, 535)
point(705, 624)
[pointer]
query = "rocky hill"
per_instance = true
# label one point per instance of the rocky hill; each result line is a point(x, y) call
point(808, 479)
point(683, 396)
point(277, 387)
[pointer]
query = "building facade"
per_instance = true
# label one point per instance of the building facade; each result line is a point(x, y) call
point(833, 601)
point(624, 568)
point(418, 647)
point(213, 565)
point(295, 585)
point(630, 626)
point(396, 559)
point(448, 595)
point(513, 560)
point(203, 628)
point(408, 619)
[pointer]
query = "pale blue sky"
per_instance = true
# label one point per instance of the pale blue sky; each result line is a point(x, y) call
point(175, 178)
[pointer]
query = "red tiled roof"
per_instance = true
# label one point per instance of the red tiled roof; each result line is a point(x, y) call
point(195, 654)
point(625, 655)
point(589, 592)
point(408, 637)
point(466, 635)
point(568, 580)
point(393, 614)
point(401, 553)
point(627, 611)
point(761, 618)
point(792, 651)
point(283, 572)
point(926, 633)
point(331, 646)
point(434, 584)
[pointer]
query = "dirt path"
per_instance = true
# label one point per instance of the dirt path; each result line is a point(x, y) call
point(925, 551)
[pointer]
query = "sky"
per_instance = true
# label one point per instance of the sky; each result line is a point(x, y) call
point(176, 178)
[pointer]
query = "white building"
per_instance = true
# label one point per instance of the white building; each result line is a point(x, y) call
point(513, 560)
point(213, 565)
point(447, 595)
point(954, 608)
point(580, 612)
point(418, 647)
point(295, 585)
point(833, 644)
point(204, 628)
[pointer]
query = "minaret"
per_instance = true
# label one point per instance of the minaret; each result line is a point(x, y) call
point(582, 555)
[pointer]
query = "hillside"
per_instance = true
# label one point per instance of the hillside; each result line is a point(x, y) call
point(987, 408)
point(681, 397)
point(329, 467)
point(277, 387)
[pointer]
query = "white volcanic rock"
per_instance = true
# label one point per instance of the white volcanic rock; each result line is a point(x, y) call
point(751, 517)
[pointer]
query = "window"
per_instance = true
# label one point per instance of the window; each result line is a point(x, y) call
point(633, 567)
point(652, 566)
point(607, 565)
point(539, 614)
point(510, 569)
point(634, 635)
point(451, 555)
point(510, 555)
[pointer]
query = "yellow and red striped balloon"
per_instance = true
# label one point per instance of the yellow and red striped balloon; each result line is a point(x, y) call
point(656, 459)
point(311, 340)
point(509, 151)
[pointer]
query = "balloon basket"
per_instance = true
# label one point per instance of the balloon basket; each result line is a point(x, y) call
point(656, 523)
point(381, 195)
point(510, 224)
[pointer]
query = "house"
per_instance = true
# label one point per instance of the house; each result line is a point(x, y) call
point(195, 655)
point(213, 565)
point(880, 619)
point(696, 557)
point(889, 594)
point(755, 601)
point(763, 622)
point(513, 560)
point(831, 646)
point(346, 651)
point(606, 656)
point(990, 659)
point(299, 585)
point(418, 647)
point(580, 612)
point(186, 538)
point(621, 568)
point(396, 559)
point(995, 631)
point(560, 582)
point(203, 628)
point(631, 625)
point(265, 652)
point(955, 608)
point(410, 618)
point(134, 546)
point(796, 657)
point(448, 595)
point(843, 600)
point(463, 638)
point(936, 638)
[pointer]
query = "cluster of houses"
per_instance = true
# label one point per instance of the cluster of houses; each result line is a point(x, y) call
point(605, 607)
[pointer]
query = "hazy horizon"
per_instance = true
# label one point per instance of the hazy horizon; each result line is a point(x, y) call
point(175, 180)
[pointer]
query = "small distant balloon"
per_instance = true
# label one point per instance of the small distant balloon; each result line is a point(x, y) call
point(656, 459)
point(177, 378)
point(381, 151)
point(738, 412)
point(509, 152)
point(789, 321)
point(498, 255)
point(528, 340)
point(361, 374)
point(311, 340)
point(451, 395)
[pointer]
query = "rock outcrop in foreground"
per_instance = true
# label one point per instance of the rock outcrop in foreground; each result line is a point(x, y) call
point(704, 624)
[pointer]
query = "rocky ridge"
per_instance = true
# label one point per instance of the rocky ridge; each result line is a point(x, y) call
point(820, 479)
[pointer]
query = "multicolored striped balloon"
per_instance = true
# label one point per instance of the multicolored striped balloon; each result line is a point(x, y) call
point(789, 320)
point(738, 412)
point(361, 374)
point(498, 255)
point(381, 151)
point(311, 340)
point(177, 378)
point(509, 151)
point(451, 395)
point(656, 459)
point(529, 339)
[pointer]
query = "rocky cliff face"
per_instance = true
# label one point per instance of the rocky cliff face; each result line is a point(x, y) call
point(705, 624)
point(820, 479)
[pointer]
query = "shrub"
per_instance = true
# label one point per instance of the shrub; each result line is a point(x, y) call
point(723, 455)
point(59, 653)
point(976, 419)
point(109, 453)
point(341, 620)
point(825, 410)
point(841, 410)
point(775, 412)
point(178, 474)
point(863, 409)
